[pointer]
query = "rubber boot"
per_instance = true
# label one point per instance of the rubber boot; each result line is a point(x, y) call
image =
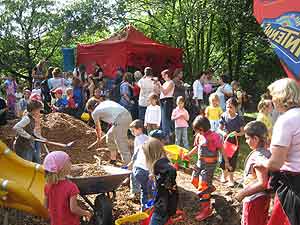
point(205, 211)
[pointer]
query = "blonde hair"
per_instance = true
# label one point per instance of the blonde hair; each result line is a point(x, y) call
point(214, 96)
point(153, 150)
point(263, 105)
point(180, 99)
point(53, 178)
point(155, 97)
point(285, 92)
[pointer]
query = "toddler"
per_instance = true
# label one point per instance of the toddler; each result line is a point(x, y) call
point(60, 101)
point(255, 200)
point(181, 117)
point(231, 123)
point(207, 144)
point(153, 114)
point(214, 111)
point(60, 193)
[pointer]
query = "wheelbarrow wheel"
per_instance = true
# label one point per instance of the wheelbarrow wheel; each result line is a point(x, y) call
point(103, 207)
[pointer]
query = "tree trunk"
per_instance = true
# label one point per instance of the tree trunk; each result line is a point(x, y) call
point(229, 46)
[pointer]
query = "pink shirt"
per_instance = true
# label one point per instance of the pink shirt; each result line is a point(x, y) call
point(58, 196)
point(181, 117)
point(286, 133)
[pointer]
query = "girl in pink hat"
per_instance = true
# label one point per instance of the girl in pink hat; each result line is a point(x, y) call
point(60, 193)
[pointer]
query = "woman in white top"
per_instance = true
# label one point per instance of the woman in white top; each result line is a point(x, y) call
point(166, 100)
point(285, 149)
point(224, 91)
point(57, 81)
point(147, 86)
point(198, 92)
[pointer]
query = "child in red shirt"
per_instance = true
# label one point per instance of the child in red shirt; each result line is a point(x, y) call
point(70, 98)
point(60, 193)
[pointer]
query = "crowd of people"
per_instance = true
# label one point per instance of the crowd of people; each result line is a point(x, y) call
point(155, 108)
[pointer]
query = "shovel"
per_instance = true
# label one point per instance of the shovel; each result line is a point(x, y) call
point(92, 145)
point(56, 143)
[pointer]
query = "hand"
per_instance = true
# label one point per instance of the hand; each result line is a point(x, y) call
point(234, 133)
point(87, 216)
point(151, 177)
point(239, 196)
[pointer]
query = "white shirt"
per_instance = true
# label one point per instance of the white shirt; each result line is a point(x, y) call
point(224, 88)
point(54, 83)
point(140, 161)
point(36, 91)
point(170, 94)
point(153, 115)
point(108, 111)
point(146, 88)
point(286, 133)
point(19, 128)
point(197, 90)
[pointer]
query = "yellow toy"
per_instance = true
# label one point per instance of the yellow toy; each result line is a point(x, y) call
point(21, 183)
point(85, 117)
point(138, 217)
point(176, 154)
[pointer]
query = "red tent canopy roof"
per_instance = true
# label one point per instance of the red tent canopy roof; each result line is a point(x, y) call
point(129, 48)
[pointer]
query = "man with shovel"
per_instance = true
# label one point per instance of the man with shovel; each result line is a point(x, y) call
point(116, 137)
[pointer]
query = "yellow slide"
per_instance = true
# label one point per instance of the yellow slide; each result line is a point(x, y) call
point(21, 183)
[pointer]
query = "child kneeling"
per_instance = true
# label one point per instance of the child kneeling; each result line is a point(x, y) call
point(207, 143)
point(255, 200)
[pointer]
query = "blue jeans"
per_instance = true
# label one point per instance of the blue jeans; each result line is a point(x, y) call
point(142, 177)
point(134, 186)
point(166, 113)
point(181, 136)
point(142, 112)
point(36, 157)
point(157, 219)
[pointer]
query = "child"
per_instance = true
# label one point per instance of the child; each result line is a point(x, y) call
point(60, 102)
point(60, 193)
point(26, 133)
point(70, 98)
point(181, 117)
point(139, 178)
point(207, 144)
point(231, 124)
point(213, 112)
point(265, 109)
point(153, 114)
point(164, 174)
point(24, 101)
point(255, 200)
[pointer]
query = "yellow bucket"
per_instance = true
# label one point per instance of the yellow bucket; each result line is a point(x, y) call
point(138, 217)
point(174, 151)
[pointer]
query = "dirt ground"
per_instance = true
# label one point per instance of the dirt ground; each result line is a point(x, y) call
point(63, 128)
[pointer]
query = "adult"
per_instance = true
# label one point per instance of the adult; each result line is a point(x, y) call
point(98, 74)
point(238, 95)
point(198, 92)
point(57, 81)
point(116, 85)
point(285, 159)
point(126, 92)
point(80, 73)
point(11, 86)
point(224, 91)
point(39, 72)
point(120, 119)
point(179, 84)
point(166, 100)
point(49, 72)
point(147, 86)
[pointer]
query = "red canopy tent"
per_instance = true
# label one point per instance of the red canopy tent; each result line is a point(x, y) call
point(129, 48)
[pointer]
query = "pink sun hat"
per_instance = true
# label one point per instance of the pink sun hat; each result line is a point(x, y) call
point(55, 161)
